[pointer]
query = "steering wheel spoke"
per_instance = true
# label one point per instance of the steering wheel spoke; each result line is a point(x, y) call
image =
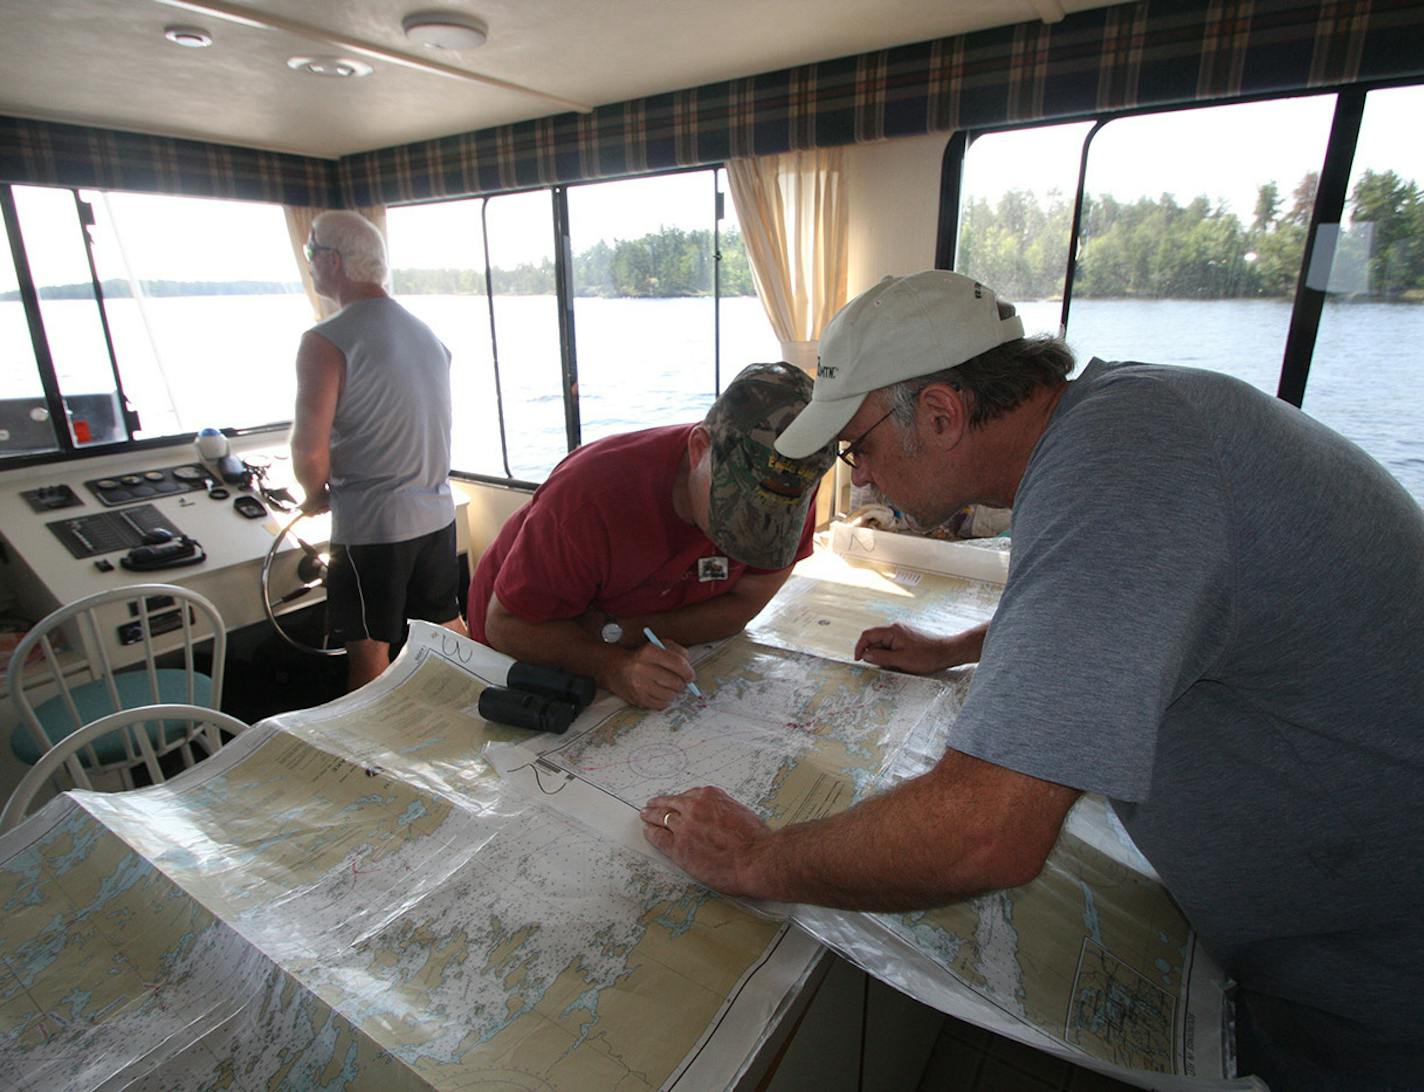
point(311, 570)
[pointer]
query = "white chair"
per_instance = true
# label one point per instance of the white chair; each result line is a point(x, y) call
point(87, 686)
point(135, 722)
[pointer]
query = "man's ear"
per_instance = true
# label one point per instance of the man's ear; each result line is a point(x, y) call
point(698, 441)
point(947, 412)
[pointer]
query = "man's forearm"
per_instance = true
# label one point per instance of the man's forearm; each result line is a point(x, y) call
point(312, 469)
point(930, 841)
point(712, 619)
point(563, 644)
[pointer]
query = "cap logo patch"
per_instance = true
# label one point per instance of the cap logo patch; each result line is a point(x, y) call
point(825, 371)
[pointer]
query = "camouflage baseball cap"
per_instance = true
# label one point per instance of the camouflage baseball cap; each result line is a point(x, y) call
point(759, 498)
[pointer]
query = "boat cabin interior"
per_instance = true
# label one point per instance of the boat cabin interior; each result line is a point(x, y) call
point(606, 211)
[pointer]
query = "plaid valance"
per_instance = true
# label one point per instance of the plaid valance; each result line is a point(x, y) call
point(1150, 53)
point(49, 154)
point(1155, 52)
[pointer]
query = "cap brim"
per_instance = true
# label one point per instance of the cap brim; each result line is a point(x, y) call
point(816, 426)
point(776, 543)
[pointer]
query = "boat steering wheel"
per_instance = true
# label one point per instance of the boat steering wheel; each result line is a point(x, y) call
point(311, 571)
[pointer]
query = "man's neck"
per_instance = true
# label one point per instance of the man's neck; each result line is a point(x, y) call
point(1007, 444)
point(352, 291)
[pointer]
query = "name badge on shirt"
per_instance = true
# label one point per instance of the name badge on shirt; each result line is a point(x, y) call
point(711, 568)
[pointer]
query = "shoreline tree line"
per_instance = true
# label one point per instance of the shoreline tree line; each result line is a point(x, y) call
point(1151, 248)
point(668, 263)
point(1158, 248)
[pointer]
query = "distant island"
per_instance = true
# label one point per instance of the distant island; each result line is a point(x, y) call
point(668, 263)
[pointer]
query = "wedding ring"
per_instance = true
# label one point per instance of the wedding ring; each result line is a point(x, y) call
point(666, 817)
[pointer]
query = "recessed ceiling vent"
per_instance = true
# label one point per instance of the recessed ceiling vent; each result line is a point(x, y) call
point(337, 67)
point(192, 37)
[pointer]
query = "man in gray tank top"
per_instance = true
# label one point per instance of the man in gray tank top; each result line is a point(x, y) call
point(371, 441)
point(1212, 618)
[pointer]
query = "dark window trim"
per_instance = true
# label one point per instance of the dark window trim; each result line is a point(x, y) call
point(44, 361)
point(84, 215)
point(1331, 192)
point(564, 298)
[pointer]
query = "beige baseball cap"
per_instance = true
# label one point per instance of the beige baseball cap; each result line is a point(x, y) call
point(902, 328)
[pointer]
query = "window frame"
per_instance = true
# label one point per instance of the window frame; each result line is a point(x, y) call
point(1307, 303)
point(65, 449)
point(563, 283)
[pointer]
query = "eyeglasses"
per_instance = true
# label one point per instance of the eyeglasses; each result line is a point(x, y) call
point(313, 248)
point(851, 452)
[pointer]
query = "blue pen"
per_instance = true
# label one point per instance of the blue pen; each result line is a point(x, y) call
point(653, 640)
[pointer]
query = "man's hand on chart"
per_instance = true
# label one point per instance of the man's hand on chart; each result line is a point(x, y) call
point(708, 835)
point(903, 648)
point(653, 677)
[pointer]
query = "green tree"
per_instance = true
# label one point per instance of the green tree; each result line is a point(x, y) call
point(1391, 206)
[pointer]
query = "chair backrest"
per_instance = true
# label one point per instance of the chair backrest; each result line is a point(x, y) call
point(91, 665)
point(129, 721)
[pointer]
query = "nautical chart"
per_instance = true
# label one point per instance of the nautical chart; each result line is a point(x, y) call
point(387, 892)
point(358, 898)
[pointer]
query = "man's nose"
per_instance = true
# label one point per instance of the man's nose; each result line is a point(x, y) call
point(859, 476)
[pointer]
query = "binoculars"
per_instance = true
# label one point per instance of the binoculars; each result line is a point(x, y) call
point(544, 699)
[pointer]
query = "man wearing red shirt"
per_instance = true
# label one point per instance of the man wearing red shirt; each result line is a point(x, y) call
point(687, 529)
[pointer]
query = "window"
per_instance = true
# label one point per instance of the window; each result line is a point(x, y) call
point(644, 313)
point(25, 425)
point(438, 273)
point(199, 311)
point(73, 321)
point(1192, 232)
point(1364, 376)
point(655, 324)
point(195, 322)
point(205, 308)
point(646, 306)
point(1016, 216)
point(520, 232)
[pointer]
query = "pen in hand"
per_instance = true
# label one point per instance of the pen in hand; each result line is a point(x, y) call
point(653, 640)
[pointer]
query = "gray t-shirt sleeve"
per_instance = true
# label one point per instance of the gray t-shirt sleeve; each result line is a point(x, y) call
point(1118, 596)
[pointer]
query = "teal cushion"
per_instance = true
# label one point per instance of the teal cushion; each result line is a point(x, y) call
point(92, 701)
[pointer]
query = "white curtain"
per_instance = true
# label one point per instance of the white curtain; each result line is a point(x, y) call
point(299, 223)
point(794, 214)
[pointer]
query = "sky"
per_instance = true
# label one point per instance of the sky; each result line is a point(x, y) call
point(1224, 152)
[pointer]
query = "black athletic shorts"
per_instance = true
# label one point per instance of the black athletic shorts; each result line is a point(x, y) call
point(371, 590)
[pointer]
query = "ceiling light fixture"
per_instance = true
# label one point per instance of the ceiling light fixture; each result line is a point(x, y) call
point(192, 37)
point(338, 67)
point(246, 16)
point(445, 30)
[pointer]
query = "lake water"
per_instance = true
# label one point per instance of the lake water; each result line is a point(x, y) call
point(646, 362)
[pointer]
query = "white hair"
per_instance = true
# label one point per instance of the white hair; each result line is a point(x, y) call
point(357, 240)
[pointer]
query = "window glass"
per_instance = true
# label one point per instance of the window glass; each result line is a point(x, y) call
point(1193, 229)
point(59, 264)
point(1016, 216)
point(520, 230)
point(438, 273)
point(1364, 376)
point(205, 307)
point(644, 314)
point(25, 426)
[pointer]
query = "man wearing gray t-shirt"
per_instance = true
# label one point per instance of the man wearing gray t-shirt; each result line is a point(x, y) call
point(1212, 618)
point(371, 441)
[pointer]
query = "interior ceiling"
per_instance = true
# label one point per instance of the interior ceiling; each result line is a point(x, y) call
point(107, 63)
